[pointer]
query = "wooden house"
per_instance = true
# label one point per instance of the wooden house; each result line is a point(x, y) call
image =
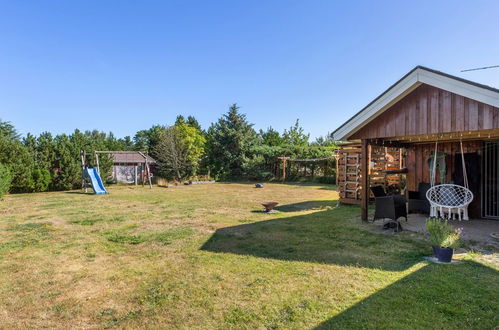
point(425, 110)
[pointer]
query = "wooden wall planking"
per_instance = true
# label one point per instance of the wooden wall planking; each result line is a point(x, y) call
point(428, 110)
point(418, 155)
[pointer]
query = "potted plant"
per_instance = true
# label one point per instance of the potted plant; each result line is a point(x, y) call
point(444, 238)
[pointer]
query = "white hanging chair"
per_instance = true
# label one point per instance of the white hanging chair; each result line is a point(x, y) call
point(448, 200)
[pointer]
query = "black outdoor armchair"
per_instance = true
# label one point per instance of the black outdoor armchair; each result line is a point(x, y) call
point(391, 207)
point(418, 203)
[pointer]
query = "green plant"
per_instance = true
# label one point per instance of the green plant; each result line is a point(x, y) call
point(41, 179)
point(5, 179)
point(442, 234)
point(327, 179)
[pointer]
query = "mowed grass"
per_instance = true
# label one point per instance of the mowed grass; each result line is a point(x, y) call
point(202, 257)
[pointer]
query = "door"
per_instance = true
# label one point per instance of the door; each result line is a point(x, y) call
point(473, 164)
point(490, 186)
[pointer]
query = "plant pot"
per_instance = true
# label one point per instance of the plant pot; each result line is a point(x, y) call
point(443, 254)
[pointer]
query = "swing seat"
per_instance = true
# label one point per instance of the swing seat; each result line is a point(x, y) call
point(449, 200)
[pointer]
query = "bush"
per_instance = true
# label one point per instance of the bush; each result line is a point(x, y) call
point(442, 234)
point(5, 179)
point(327, 179)
point(20, 162)
point(41, 179)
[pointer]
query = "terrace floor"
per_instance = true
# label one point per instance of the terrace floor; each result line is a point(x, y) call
point(474, 230)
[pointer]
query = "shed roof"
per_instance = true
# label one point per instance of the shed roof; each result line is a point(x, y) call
point(417, 76)
point(131, 157)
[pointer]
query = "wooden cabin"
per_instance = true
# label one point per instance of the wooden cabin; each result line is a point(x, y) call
point(427, 110)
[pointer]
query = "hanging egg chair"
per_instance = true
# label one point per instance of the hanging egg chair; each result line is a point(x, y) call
point(448, 200)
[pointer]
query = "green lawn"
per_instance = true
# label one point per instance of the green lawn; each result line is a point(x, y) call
point(202, 256)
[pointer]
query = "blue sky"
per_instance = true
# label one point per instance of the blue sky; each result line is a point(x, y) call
point(122, 66)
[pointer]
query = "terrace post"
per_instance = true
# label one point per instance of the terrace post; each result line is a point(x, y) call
point(364, 172)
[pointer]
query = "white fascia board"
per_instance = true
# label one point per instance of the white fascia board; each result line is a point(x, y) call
point(407, 85)
point(389, 98)
point(459, 87)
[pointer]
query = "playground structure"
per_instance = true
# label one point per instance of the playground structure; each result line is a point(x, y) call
point(96, 181)
point(131, 166)
point(93, 173)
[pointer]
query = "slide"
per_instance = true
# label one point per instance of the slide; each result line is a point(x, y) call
point(96, 181)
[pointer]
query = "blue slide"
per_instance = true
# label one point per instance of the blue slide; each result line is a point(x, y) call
point(96, 181)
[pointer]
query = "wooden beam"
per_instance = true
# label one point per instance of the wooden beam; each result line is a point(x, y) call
point(146, 169)
point(283, 169)
point(408, 140)
point(283, 161)
point(364, 170)
point(82, 170)
point(148, 174)
point(97, 162)
point(135, 170)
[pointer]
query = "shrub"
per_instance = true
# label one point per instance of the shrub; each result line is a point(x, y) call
point(41, 179)
point(442, 234)
point(327, 179)
point(5, 179)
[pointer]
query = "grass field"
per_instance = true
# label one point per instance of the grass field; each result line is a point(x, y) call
point(203, 257)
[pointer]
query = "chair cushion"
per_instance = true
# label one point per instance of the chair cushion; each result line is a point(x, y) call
point(423, 188)
point(378, 191)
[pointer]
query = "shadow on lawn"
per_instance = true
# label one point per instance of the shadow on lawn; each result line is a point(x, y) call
point(452, 296)
point(324, 237)
point(323, 186)
point(79, 193)
point(435, 296)
point(305, 206)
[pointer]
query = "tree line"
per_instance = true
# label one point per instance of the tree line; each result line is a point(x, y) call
point(229, 149)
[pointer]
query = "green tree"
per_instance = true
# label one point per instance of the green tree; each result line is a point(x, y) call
point(230, 140)
point(8, 130)
point(41, 179)
point(191, 121)
point(67, 167)
point(295, 135)
point(125, 144)
point(5, 179)
point(146, 140)
point(179, 151)
point(20, 162)
point(324, 141)
point(179, 120)
point(271, 137)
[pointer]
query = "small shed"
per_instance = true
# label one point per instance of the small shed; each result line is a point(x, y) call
point(131, 166)
point(424, 108)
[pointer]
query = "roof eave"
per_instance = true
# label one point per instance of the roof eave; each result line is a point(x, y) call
point(407, 84)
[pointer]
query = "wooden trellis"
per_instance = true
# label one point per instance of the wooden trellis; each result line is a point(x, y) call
point(381, 160)
point(285, 161)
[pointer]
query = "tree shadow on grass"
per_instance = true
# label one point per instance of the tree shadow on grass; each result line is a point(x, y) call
point(79, 193)
point(327, 236)
point(451, 296)
point(303, 206)
point(323, 186)
point(306, 206)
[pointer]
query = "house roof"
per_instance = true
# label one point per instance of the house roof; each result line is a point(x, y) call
point(131, 157)
point(417, 76)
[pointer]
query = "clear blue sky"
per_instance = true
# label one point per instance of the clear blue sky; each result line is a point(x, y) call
point(122, 66)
